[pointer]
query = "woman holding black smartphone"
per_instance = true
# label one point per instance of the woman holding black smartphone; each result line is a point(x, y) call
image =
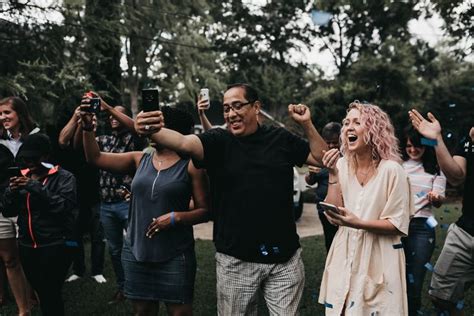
point(44, 198)
point(158, 252)
point(365, 266)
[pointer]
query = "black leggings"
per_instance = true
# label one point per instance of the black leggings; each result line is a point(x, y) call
point(46, 268)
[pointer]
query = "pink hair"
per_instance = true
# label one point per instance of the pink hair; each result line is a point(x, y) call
point(379, 134)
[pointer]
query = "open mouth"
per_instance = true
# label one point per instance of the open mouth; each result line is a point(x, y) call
point(352, 138)
point(235, 124)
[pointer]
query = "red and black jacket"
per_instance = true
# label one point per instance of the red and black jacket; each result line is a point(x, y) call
point(46, 209)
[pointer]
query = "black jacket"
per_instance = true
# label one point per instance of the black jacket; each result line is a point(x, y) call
point(46, 210)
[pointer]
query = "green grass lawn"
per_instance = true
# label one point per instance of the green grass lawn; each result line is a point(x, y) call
point(85, 297)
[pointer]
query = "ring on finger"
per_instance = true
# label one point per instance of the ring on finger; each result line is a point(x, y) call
point(157, 230)
point(147, 127)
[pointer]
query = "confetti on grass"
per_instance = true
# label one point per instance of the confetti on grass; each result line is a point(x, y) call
point(428, 266)
point(431, 222)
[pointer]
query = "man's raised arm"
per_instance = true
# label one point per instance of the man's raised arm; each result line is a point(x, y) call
point(300, 113)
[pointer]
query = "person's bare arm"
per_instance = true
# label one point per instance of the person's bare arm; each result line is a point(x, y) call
point(347, 218)
point(123, 118)
point(152, 123)
point(454, 168)
point(68, 131)
point(114, 162)
point(300, 113)
point(334, 195)
point(77, 141)
point(202, 106)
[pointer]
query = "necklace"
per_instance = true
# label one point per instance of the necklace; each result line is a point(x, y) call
point(365, 175)
point(160, 162)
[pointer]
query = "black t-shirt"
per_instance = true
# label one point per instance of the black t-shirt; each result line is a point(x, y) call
point(466, 221)
point(252, 188)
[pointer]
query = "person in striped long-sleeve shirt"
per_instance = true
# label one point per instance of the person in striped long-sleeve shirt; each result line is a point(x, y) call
point(428, 185)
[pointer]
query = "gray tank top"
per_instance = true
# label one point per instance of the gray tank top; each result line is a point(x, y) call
point(155, 193)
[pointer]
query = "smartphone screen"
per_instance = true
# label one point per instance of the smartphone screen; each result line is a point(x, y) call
point(150, 100)
point(328, 206)
point(94, 106)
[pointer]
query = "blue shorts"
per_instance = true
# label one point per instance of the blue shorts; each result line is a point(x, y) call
point(171, 281)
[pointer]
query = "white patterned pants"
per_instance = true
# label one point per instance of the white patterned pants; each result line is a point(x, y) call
point(238, 284)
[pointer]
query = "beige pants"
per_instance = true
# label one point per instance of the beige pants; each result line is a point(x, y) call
point(454, 270)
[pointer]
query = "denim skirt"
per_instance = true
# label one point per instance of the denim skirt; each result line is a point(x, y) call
point(171, 281)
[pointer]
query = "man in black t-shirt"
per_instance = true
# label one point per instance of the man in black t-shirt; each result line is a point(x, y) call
point(454, 270)
point(250, 168)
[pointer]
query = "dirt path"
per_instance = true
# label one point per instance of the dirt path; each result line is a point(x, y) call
point(307, 225)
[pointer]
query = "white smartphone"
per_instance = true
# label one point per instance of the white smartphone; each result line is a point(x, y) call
point(204, 93)
point(329, 206)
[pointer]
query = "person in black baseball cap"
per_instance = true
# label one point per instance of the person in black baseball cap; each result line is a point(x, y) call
point(34, 152)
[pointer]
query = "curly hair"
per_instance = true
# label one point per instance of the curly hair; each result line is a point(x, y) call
point(379, 134)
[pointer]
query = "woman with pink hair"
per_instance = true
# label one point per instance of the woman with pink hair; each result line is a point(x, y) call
point(365, 267)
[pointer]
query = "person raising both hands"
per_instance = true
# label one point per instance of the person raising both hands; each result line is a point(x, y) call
point(454, 270)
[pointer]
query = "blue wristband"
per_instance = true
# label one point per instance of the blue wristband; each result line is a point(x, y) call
point(172, 219)
point(429, 142)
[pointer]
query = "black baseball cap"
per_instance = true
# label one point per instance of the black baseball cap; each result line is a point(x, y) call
point(35, 146)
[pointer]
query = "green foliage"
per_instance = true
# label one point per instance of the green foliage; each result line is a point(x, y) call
point(103, 47)
point(361, 26)
point(182, 46)
point(451, 99)
point(457, 15)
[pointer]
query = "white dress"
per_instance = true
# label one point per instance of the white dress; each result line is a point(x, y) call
point(365, 272)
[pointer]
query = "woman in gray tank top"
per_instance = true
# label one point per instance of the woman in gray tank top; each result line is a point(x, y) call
point(158, 253)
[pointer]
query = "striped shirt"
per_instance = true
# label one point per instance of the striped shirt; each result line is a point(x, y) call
point(421, 184)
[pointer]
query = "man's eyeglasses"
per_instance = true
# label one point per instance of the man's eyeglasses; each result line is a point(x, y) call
point(236, 106)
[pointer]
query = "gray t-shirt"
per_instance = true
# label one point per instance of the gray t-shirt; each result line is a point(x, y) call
point(155, 193)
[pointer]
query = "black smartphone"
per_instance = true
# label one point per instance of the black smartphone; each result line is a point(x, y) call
point(14, 172)
point(150, 100)
point(328, 206)
point(94, 106)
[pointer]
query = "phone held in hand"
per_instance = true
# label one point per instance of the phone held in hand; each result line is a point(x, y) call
point(329, 206)
point(94, 106)
point(150, 101)
point(94, 103)
point(204, 93)
point(14, 172)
